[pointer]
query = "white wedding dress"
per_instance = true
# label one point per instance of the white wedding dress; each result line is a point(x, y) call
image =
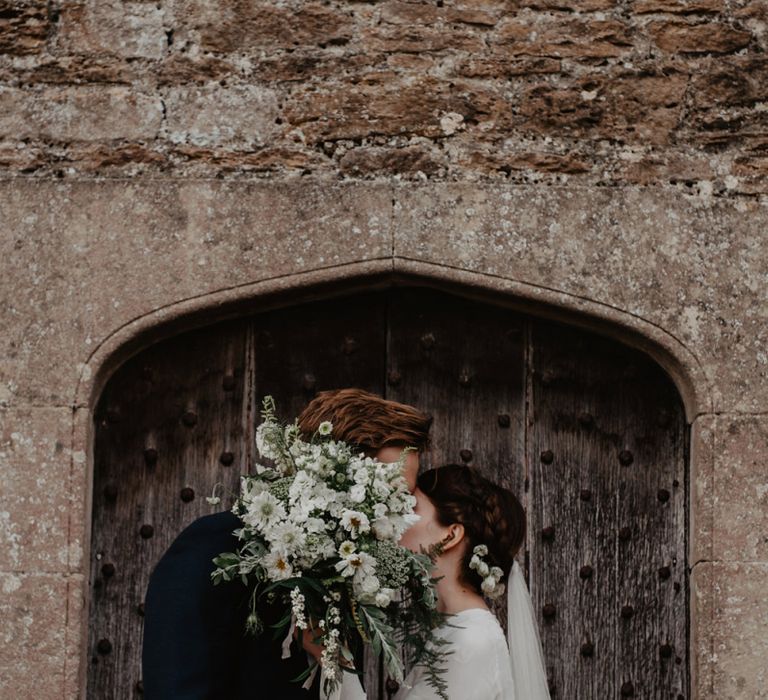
point(478, 668)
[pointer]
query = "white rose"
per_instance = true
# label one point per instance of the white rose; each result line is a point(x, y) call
point(370, 585)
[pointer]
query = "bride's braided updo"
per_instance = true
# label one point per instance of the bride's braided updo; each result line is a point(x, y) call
point(491, 515)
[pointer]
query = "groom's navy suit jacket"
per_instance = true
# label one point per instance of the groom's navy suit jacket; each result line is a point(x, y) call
point(195, 646)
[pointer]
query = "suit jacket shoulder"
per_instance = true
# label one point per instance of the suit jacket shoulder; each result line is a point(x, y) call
point(195, 645)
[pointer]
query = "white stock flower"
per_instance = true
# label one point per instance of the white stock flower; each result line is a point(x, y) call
point(314, 525)
point(325, 428)
point(346, 548)
point(357, 493)
point(268, 436)
point(302, 484)
point(380, 488)
point(362, 476)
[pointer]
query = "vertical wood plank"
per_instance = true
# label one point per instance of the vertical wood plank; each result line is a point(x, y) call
point(168, 427)
point(599, 458)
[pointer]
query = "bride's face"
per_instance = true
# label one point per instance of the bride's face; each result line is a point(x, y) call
point(427, 530)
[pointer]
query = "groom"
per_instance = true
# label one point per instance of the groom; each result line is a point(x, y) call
point(194, 643)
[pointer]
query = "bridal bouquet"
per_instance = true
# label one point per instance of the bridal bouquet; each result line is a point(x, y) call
point(321, 527)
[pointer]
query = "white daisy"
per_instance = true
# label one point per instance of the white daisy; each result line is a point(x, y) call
point(287, 536)
point(277, 565)
point(264, 511)
point(355, 522)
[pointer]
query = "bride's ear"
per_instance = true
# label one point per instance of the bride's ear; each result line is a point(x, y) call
point(454, 537)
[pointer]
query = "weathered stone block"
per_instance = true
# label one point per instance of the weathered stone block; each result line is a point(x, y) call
point(102, 158)
point(21, 157)
point(389, 161)
point(70, 70)
point(33, 641)
point(678, 7)
point(564, 38)
point(24, 27)
point(76, 657)
point(753, 163)
point(741, 489)
point(703, 495)
point(391, 108)
point(419, 38)
point(568, 5)
point(710, 37)
point(211, 115)
point(730, 610)
point(243, 25)
point(730, 81)
point(269, 159)
point(498, 65)
point(498, 160)
point(306, 65)
point(127, 29)
point(406, 13)
point(664, 166)
point(35, 501)
point(639, 107)
point(181, 69)
point(87, 113)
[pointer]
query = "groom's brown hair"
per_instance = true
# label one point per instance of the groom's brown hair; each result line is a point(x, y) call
point(367, 420)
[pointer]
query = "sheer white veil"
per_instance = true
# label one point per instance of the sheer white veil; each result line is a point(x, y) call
point(525, 650)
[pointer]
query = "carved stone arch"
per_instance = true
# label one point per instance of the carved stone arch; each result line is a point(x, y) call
point(597, 448)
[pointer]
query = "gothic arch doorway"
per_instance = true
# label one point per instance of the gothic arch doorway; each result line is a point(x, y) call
point(590, 433)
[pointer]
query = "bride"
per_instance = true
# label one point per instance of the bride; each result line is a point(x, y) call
point(476, 527)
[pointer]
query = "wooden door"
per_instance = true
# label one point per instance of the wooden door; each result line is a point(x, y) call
point(589, 433)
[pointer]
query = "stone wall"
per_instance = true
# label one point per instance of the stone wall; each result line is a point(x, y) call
point(603, 163)
point(595, 92)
